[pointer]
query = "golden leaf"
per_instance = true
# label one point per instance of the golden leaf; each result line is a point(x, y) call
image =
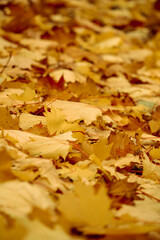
point(84, 207)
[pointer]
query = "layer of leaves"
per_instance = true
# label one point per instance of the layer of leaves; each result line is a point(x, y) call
point(79, 119)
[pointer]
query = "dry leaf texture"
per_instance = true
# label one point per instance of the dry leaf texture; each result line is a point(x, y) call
point(79, 119)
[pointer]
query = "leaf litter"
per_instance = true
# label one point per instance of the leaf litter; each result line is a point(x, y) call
point(79, 127)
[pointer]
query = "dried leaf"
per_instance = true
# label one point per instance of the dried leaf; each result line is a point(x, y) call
point(86, 207)
point(27, 95)
point(17, 199)
point(77, 111)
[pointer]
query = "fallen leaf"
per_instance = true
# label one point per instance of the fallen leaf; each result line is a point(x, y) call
point(56, 121)
point(17, 198)
point(150, 170)
point(83, 207)
point(27, 120)
point(141, 210)
point(53, 147)
point(68, 75)
point(70, 108)
point(27, 95)
point(80, 171)
point(102, 149)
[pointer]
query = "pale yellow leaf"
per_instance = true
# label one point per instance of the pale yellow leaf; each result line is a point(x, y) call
point(55, 121)
point(27, 95)
point(27, 120)
point(68, 75)
point(105, 45)
point(79, 171)
point(150, 170)
point(36, 230)
point(28, 169)
point(35, 145)
point(146, 210)
point(77, 111)
point(17, 198)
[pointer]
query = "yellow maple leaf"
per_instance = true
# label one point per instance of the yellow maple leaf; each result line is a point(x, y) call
point(86, 112)
point(101, 149)
point(55, 120)
point(36, 145)
point(27, 95)
point(79, 171)
point(84, 207)
point(68, 75)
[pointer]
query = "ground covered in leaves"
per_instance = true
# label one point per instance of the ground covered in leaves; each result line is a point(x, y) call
point(79, 119)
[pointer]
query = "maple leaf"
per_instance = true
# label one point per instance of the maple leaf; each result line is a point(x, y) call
point(27, 95)
point(83, 207)
point(27, 120)
point(55, 121)
point(79, 171)
point(39, 169)
point(82, 79)
point(6, 96)
point(101, 149)
point(24, 59)
point(17, 198)
point(49, 148)
point(70, 108)
point(141, 210)
point(41, 146)
point(68, 75)
point(150, 170)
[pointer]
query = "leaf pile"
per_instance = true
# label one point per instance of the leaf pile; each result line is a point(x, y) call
point(80, 119)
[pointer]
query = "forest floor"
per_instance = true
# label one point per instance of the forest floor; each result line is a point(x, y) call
point(79, 119)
